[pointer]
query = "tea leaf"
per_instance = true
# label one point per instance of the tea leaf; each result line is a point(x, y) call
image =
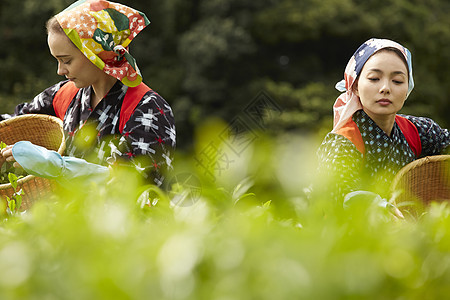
point(12, 205)
point(13, 180)
point(18, 201)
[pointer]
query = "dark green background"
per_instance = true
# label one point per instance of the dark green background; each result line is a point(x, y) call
point(211, 58)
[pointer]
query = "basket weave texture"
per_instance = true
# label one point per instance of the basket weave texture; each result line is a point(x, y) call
point(423, 181)
point(43, 130)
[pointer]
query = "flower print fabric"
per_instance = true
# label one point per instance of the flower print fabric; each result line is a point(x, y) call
point(348, 102)
point(102, 30)
point(384, 157)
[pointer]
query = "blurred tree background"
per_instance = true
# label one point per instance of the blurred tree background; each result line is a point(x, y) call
point(211, 58)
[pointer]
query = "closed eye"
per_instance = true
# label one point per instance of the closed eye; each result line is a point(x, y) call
point(64, 59)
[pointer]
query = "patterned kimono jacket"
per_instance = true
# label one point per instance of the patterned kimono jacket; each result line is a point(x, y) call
point(146, 143)
point(384, 155)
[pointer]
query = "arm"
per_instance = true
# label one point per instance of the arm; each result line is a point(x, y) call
point(41, 104)
point(339, 166)
point(38, 161)
point(435, 140)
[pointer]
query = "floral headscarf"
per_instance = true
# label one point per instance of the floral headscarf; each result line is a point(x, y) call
point(348, 103)
point(102, 30)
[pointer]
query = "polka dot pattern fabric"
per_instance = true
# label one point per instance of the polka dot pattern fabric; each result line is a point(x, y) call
point(384, 155)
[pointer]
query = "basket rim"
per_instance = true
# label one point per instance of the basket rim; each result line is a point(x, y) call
point(42, 117)
point(417, 163)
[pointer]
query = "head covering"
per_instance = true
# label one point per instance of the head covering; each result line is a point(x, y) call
point(348, 103)
point(102, 30)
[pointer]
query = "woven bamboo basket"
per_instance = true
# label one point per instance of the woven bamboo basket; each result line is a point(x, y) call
point(43, 130)
point(421, 182)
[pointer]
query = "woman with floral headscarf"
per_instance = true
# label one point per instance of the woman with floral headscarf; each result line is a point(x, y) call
point(109, 115)
point(369, 142)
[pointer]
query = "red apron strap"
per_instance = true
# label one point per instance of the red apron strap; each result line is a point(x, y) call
point(351, 131)
point(68, 91)
point(131, 100)
point(63, 98)
point(411, 134)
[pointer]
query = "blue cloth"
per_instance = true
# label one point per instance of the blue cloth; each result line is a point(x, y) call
point(39, 161)
point(364, 196)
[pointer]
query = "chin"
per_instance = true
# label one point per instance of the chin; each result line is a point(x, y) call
point(79, 85)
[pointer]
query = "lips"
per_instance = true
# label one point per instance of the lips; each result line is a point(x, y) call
point(384, 102)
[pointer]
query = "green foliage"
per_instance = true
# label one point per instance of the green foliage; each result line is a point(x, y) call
point(14, 203)
point(7, 176)
point(240, 226)
point(8, 173)
point(306, 108)
point(248, 232)
point(213, 57)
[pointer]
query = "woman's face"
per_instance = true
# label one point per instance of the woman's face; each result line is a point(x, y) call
point(71, 61)
point(382, 85)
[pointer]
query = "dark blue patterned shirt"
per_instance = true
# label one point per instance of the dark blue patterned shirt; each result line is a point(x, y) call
point(350, 170)
point(147, 141)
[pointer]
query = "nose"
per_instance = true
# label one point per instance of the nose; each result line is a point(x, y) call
point(61, 69)
point(385, 87)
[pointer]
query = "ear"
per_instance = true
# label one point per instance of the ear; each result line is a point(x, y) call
point(355, 88)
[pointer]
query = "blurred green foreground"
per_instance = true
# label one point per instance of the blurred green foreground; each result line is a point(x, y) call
point(237, 224)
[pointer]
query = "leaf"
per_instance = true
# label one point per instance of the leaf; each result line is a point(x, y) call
point(2, 145)
point(12, 205)
point(242, 188)
point(244, 197)
point(18, 201)
point(267, 204)
point(13, 180)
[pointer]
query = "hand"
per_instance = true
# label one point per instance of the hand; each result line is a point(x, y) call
point(2, 159)
point(371, 198)
point(6, 155)
point(395, 212)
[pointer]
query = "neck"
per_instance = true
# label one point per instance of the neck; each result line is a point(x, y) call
point(100, 89)
point(385, 122)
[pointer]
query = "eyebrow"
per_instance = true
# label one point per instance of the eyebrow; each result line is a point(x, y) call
point(395, 72)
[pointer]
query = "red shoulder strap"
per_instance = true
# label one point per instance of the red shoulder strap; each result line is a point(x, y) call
point(132, 98)
point(351, 131)
point(63, 98)
point(411, 134)
point(67, 92)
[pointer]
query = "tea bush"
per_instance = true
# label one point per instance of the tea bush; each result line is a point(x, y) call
point(247, 231)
